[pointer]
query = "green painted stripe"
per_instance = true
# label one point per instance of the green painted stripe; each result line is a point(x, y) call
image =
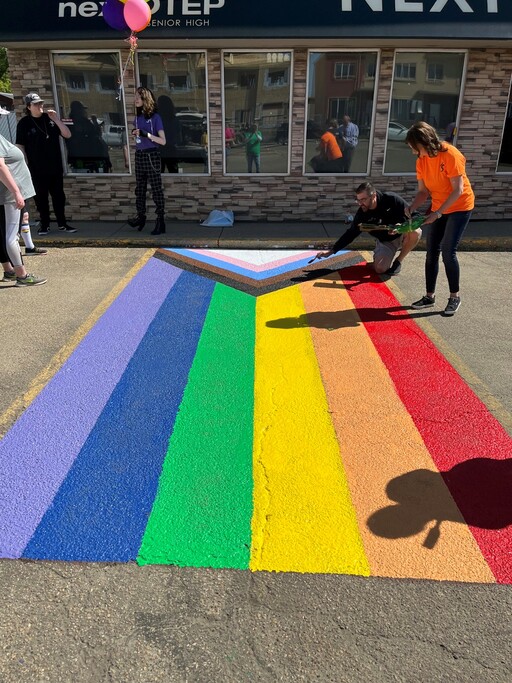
point(202, 513)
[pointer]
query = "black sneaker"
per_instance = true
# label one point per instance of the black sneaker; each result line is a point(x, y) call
point(43, 230)
point(35, 250)
point(425, 302)
point(66, 228)
point(394, 269)
point(452, 306)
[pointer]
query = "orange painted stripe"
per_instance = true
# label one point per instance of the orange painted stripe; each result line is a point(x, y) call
point(394, 484)
point(467, 444)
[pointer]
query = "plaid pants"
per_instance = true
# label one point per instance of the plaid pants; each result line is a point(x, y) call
point(148, 167)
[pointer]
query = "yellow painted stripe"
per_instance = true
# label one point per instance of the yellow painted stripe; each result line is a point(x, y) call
point(393, 480)
point(303, 520)
point(8, 417)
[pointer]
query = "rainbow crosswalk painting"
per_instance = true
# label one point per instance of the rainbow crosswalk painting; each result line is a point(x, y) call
point(227, 412)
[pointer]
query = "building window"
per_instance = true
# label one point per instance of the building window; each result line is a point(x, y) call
point(108, 82)
point(276, 77)
point(76, 80)
point(405, 72)
point(419, 98)
point(257, 92)
point(435, 72)
point(505, 157)
point(178, 82)
point(349, 98)
point(89, 101)
point(344, 70)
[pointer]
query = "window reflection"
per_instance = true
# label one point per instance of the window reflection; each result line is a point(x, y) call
point(341, 93)
point(426, 87)
point(505, 158)
point(257, 89)
point(178, 82)
point(89, 104)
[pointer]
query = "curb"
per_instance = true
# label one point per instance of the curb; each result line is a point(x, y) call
point(489, 244)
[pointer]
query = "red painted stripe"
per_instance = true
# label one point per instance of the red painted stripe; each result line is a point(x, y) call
point(468, 445)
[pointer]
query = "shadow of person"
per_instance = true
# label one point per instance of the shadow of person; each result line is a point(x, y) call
point(327, 320)
point(173, 137)
point(313, 274)
point(333, 320)
point(477, 492)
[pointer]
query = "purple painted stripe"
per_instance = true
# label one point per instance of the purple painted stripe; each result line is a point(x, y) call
point(38, 451)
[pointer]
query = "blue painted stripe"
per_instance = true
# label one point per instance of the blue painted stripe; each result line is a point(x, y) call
point(258, 276)
point(39, 450)
point(102, 508)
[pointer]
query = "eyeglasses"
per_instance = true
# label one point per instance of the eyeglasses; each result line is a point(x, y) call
point(363, 200)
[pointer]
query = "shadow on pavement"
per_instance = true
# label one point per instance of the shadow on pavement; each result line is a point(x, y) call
point(482, 488)
point(333, 320)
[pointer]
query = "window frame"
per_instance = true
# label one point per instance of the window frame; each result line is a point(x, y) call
point(289, 85)
point(464, 53)
point(376, 77)
point(56, 99)
point(185, 51)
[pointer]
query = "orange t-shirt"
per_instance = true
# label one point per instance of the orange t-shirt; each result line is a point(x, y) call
point(330, 146)
point(436, 173)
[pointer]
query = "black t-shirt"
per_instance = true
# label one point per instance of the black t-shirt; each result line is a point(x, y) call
point(390, 210)
point(40, 138)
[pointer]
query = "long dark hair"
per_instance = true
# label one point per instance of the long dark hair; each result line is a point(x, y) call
point(424, 134)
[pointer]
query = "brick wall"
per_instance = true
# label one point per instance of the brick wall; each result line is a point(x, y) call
point(294, 197)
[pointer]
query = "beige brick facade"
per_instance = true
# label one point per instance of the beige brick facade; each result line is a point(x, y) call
point(295, 197)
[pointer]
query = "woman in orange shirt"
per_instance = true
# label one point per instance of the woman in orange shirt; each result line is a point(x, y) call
point(441, 174)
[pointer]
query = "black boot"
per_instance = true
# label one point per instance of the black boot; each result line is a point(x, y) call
point(138, 221)
point(159, 226)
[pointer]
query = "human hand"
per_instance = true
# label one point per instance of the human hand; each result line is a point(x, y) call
point(20, 202)
point(324, 254)
point(431, 218)
point(52, 114)
point(408, 211)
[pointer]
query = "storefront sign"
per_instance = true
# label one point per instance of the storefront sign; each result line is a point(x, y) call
point(40, 20)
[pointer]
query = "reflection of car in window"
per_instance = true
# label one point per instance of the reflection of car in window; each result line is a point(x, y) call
point(192, 126)
point(114, 135)
point(396, 131)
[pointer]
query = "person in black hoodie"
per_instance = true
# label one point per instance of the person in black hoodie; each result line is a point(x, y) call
point(380, 208)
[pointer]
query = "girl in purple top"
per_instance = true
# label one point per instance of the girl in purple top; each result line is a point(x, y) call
point(149, 136)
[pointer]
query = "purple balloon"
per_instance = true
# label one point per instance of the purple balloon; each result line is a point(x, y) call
point(113, 13)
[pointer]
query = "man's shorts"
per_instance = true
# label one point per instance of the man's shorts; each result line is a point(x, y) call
point(385, 252)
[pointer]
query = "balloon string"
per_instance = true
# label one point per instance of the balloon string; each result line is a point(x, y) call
point(132, 41)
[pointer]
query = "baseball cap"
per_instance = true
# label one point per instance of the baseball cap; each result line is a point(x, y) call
point(32, 98)
point(4, 112)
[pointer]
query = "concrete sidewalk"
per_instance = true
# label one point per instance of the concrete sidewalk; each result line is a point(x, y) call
point(479, 236)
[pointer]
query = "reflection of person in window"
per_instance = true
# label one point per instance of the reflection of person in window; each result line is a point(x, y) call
point(329, 158)
point(172, 130)
point(229, 138)
point(253, 148)
point(451, 131)
point(348, 136)
point(204, 147)
point(86, 148)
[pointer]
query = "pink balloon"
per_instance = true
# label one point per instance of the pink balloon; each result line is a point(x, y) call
point(137, 14)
